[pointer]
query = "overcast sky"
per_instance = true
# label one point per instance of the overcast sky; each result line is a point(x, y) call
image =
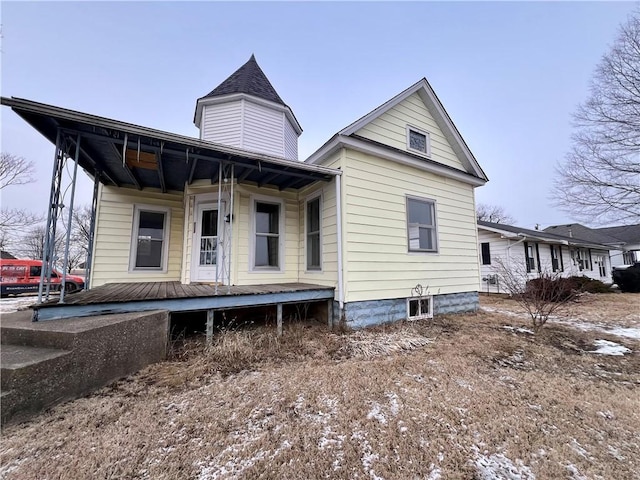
point(509, 74)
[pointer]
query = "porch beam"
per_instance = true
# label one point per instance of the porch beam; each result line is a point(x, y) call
point(269, 179)
point(126, 168)
point(101, 172)
point(163, 186)
point(192, 170)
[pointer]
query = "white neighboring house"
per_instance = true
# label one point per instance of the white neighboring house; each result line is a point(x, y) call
point(529, 252)
point(624, 240)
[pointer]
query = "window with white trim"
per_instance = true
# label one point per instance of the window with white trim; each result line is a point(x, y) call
point(419, 308)
point(418, 141)
point(421, 225)
point(485, 248)
point(313, 234)
point(267, 227)
point(150, 238)
point(600, 262)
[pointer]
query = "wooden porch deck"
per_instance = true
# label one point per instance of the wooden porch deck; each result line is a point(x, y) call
point(176, 297)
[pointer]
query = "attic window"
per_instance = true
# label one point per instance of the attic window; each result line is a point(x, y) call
point(418, 141)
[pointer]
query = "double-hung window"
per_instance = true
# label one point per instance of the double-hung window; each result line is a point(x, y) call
point(421, 225)
point(267, 235)
point(531, 253)
point(150, 238)
point(314, 237)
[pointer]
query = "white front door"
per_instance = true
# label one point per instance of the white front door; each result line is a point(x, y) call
point(205, 253)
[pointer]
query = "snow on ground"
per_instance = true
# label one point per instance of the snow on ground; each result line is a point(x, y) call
point(518, 329)
point(606, 347)
point(13, 304)
point(499, 466)
point(578, 323)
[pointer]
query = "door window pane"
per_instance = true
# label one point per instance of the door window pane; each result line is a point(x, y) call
point(209, 223)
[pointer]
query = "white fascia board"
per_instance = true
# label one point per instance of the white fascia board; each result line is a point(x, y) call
point(442, 118)
point(250, 98)
point(340, 141)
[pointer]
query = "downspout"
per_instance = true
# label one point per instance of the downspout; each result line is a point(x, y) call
point(339, 240)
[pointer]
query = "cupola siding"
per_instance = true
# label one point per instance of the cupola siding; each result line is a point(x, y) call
point(246, 112)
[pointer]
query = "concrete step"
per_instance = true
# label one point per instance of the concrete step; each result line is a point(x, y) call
point(23, 365)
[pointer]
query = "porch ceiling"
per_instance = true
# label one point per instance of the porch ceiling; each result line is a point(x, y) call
point(129, 155)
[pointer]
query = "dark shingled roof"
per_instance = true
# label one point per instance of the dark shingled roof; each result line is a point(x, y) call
point(575, 230)
point(249, 79)
point(625, 233)
point(542, 234)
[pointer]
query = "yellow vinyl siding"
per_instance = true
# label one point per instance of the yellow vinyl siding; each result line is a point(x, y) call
point(377, 258)
point(243, 243)
point(114, 224)
point(329, 273)
point(390, 129)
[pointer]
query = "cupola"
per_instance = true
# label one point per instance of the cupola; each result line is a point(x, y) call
point(245, 111)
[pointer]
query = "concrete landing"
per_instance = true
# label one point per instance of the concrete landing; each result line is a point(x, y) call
point(44, 363)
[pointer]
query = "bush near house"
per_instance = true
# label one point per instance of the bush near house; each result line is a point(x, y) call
point(563, 289)
point(628, 279)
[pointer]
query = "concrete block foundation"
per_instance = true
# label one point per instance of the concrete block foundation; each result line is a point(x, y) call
point(377, 312)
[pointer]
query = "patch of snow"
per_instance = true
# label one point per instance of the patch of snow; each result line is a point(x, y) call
point(633, 333)
point(579, 449)
point(13, 304)
point(402, 427)
point(394, 404)
point(575, 473)
point(376, 412)
point(435, 473)
point(615, 453)
point(518, 329)
point(607, 414)
point(440, 456)
point(499, 466)
point(606, 347)
point(464, 384)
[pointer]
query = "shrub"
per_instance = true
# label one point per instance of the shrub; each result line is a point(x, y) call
point(586, 284)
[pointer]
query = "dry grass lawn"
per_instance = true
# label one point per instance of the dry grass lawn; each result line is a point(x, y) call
point(456, 397)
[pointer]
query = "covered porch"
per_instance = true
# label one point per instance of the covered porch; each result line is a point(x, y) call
point(131, 158)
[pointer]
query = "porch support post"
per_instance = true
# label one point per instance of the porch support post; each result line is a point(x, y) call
point(218, 241)
point(50, 215)
point(330, 313)
point(279, 319)
point(92, 227)
point(65, 263)
point(210, 317)
point(229, 239)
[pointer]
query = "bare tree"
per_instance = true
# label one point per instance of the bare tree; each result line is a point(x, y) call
point(493, 213)
point(540, 297)
point(14, 222)
point(15, 170)
point(81, 228)
point(600, 177)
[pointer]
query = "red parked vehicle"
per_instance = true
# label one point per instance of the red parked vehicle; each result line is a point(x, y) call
point(23, 276)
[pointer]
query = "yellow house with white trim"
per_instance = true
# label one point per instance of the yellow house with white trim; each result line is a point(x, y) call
point(383, 212)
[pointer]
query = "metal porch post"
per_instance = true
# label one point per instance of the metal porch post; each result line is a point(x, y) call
point(52, 215)
point(229, 239)
point(279, 318)
point(65, 263)
point(92, 226)
point(218, 242)
point(210, 318)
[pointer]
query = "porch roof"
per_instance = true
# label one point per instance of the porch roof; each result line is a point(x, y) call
point(128, 155)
